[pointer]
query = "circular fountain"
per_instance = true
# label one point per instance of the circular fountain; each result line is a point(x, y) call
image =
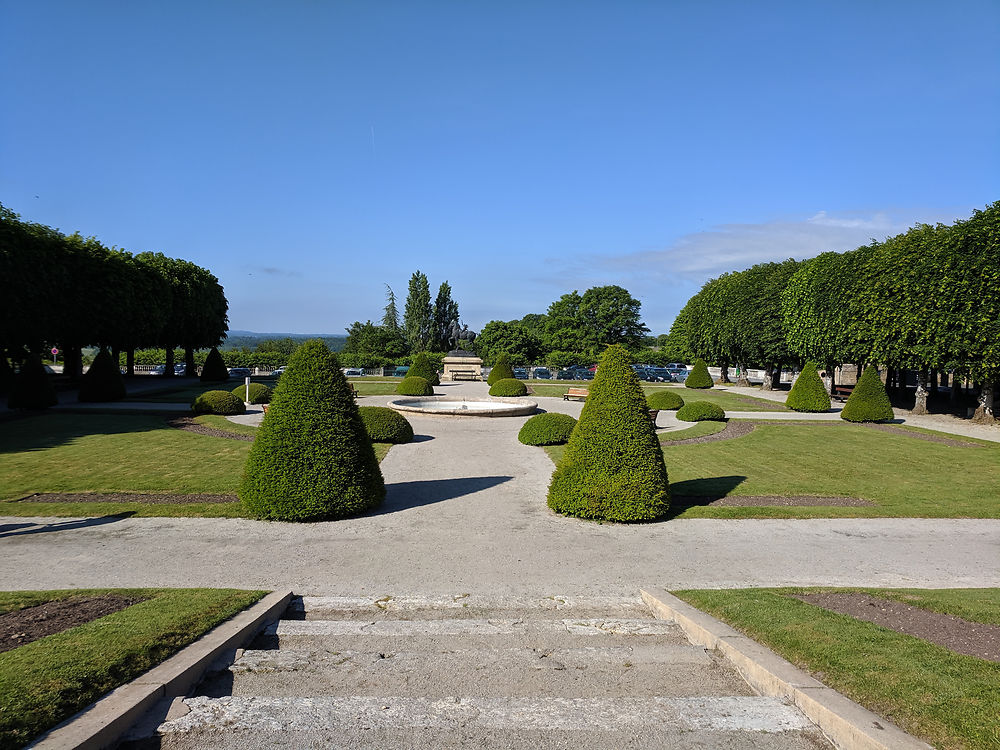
point(486, 406)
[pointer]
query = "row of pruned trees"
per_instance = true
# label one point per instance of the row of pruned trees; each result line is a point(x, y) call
point(926, 300)
point(69, 292)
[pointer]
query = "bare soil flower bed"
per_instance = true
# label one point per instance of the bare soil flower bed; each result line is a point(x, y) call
point(188, 423)
point(748, 501)
point(953, 633)
point(732, 430)
point(125, 497)
point(30, 624)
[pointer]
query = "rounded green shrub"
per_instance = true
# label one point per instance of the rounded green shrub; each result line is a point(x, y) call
point(552, 428)
point(218, 402)
point(32, 388)
point(312, 459)
point(808, 392)
point(422, 368)
point(501, 370)
point(667, 400)
point(508, 387)
point(259, 393)
point(698, 377)
point(103, 381)
point(613, 467)
point(868, 401)
point(385, 425)
point(701, 411)
point(214, 370)
point(413, 385)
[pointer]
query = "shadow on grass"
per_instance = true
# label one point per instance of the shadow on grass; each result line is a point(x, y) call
point(51, 429)
point(404, 495)
point(22, 529)
point(693, 493)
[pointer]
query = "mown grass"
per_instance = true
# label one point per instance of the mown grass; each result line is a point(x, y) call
point(46, 681)
point(728, 401)
point(218, 422)
point(375, 387)
point(947, 699)
point(105, 453)
point(903, 476)
point(696, 430)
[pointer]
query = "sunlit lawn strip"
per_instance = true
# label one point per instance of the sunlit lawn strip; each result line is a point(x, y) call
point(696, 430)
point(728, 401)
point(218, 422)
point(48, 680)
point(947, 699)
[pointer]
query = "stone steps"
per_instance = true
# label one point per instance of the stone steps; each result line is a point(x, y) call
point(417, 672)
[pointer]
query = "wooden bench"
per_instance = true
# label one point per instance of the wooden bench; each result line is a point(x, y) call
point(652, 416)
point(576, 394)
point(841, 391)
point(465, 375)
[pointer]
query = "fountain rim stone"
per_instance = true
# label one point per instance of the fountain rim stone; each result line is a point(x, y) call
point(514, 407)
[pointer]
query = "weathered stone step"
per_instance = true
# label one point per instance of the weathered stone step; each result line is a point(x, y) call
point(461, 606)
point(668, 670)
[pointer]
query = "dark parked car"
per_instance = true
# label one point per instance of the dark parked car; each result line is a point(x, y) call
point(520, 373)
point(239, 372)
point(679, 375)
point(180, 369)
point(542, 373)
point(566, 375)
point(659, 375)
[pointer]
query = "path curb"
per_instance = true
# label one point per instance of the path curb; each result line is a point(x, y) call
point(102, 723)
point(848, 725)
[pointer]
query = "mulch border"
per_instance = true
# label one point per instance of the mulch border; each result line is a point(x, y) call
point(188, 424)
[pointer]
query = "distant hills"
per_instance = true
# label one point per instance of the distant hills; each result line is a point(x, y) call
point(237, 339)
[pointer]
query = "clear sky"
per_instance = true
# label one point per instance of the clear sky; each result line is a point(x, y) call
point(309, 152)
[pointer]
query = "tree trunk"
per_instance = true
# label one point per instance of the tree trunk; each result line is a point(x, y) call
point(776, 377)
point(920, 404)
point(130, 361)
point(985, 412)
point(934, 382)
point(73, 362)
point(724, 374)
point(168, 371)
point(189, 361)
point(742, 379)
point(768, 384)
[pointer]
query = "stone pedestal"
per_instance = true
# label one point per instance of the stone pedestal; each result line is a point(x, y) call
point(462, 365)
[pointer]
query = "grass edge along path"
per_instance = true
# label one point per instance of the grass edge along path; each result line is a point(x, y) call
point(946, 699)
point(46, 681)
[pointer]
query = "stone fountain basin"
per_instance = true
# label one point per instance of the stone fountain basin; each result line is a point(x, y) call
point(486, 406)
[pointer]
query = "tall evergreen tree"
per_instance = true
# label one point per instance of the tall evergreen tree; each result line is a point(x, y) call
point(418, 316)
point(390, 318)
point(445, 313)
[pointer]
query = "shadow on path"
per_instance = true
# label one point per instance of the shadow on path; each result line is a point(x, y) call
point(404, 495)
point(710, 488)
point(20, 529)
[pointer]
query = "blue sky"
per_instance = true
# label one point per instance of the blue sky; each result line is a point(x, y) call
point(310, 152)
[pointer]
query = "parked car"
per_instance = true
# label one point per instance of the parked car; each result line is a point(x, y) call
point(353, 372)
point(401, 372)
point(159, 370)
point(239, 372)
point(659, 375)
point(542, 373)
point(566, 374)
point(278, 373)
point(520, 373)
point(679, 376)
point(180, 369)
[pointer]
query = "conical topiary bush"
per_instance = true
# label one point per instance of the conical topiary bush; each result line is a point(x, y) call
point(808, 392)
point(214, 370)
point(312, 459)
point(868, 401)
point(32, 388)
point(613, 466)
point(422, 368)
point(501, 370)
point(103, 381)
point(698, 377)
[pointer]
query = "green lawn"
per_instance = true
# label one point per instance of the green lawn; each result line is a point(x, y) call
point(697, 429)
point(728, 401)
point(366, 387)
point(903, 476)
point(46, 681)
point(947, 699)
point(118, 453)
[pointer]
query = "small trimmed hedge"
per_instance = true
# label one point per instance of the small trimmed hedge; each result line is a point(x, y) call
point(701, 411)
point(218, 402)
point(808, 393)
point(698, 377)
point(414, 385)
point(32, 388)
point(103, 380)
point(508, 387)
point(214, 370)
point(547, 429)
point(422, 368)
point(259, 393)
point(868, 401)
point(385, 425)
point(501, 370)
point(664, 400)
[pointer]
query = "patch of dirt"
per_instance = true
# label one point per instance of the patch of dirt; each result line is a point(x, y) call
point(732, 430)
point(188, 423)
point(30, 624)
point(922, 436)
point(125, 497)
point(953, 633)
point(754, 501)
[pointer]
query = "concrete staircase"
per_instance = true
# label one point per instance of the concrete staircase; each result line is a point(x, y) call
point(559, 672)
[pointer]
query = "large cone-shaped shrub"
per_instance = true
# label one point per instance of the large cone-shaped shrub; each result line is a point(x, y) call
point(32, 388)
point(613, 467)
point(214, 369)
point(501, 370)
point(103, 381)
point(808, 392)
point(422, 368)
point(312, 459)
point(698, 377)
point(868, 401)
